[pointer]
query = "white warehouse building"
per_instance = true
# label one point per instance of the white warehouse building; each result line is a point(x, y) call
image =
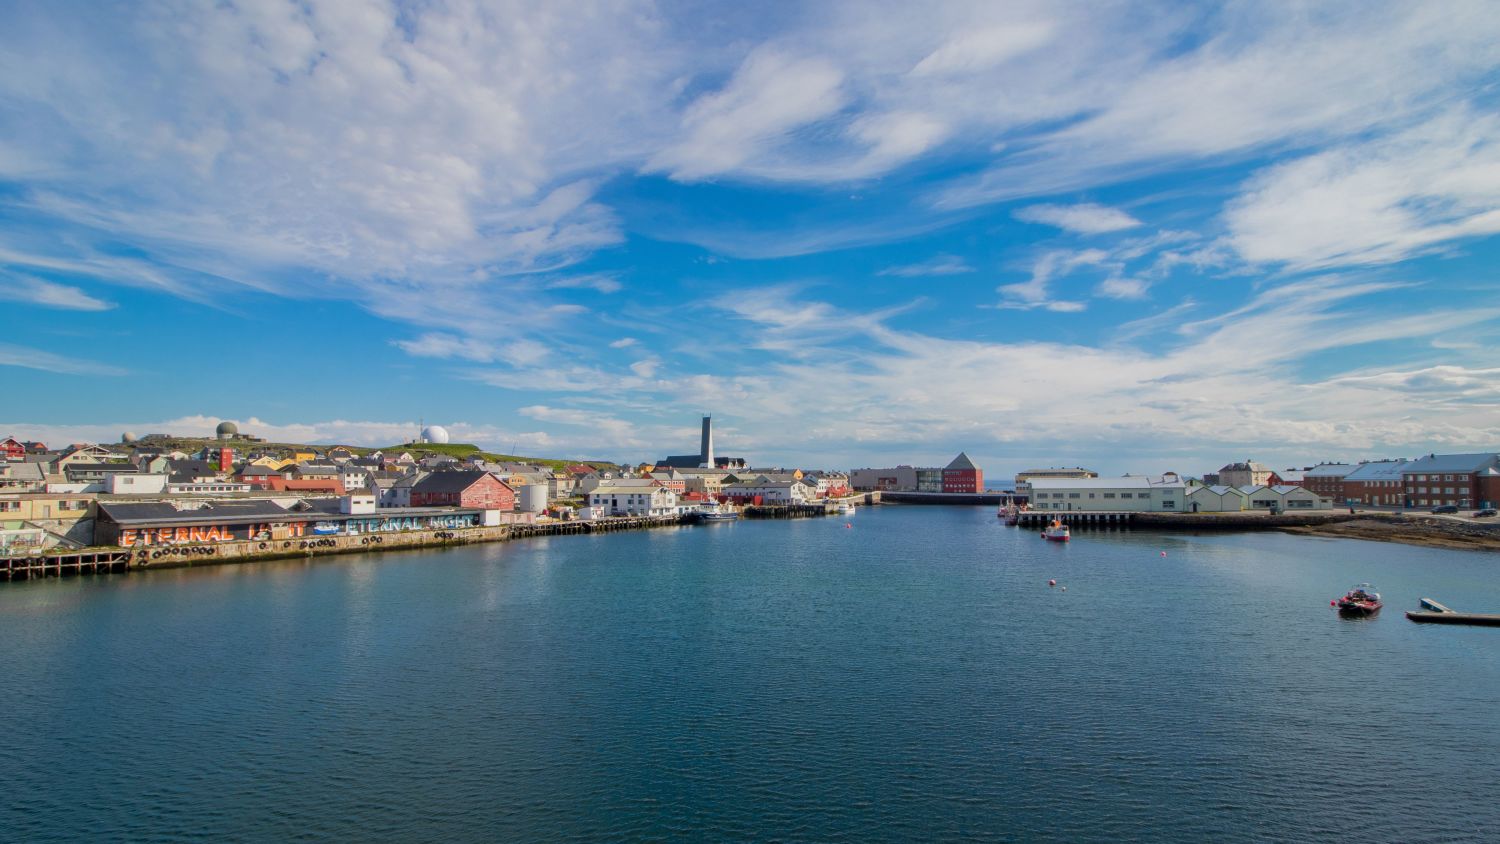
point(1130, 494)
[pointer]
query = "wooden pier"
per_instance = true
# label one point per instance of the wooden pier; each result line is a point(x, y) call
point(64, 564)
point(1434, 613)
point(1074, 518)
point(593, 526)
point(790, 511)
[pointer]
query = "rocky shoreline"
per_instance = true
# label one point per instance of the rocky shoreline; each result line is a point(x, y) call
point(1430, 531)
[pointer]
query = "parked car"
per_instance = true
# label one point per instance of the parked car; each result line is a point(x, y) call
point(1445, 508)
point(1485, 514)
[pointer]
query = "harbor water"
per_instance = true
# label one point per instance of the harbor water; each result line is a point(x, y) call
point(907, 677)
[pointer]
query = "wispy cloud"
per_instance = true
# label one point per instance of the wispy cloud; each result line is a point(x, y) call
point(35, 291)
point(28, 358)
point(939, 265)
point(1086, 218)
point(1375, 201)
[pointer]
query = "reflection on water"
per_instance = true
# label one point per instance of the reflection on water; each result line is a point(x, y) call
point(911, 677)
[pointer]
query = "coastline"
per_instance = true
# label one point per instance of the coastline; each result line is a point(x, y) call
point(1427, 531)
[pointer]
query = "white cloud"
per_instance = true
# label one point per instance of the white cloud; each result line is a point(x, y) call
point(1120, 287)
point(773, 93)
point(1258, 78)
point(971, 52)
point(36, 291)
point(29, 358)
point(601, 283)
point(939, 265)
point(623, 343)
point(1035, 292)
point(1186, 394)
point(1376, 201)
point(522, 352)
point(1086, 218)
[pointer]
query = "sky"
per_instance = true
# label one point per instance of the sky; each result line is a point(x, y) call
point(1135, 237)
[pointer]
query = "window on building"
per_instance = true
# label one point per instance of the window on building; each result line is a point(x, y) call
point(1074, 495)
point(1109, 495)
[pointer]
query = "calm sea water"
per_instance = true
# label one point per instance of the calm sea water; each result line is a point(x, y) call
point(911, 677)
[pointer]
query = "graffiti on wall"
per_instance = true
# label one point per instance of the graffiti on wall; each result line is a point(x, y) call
point(130, 537)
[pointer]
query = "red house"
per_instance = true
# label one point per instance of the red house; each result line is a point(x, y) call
point(962, 475)
point(12, 448)
point(471, 488)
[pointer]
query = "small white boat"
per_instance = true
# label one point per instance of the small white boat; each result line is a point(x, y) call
point(847, 509)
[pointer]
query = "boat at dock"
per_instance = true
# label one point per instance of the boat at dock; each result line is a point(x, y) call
point(1011, 514)
point(1057, 532)
point(714, 513)
point(1362, 600)
point(847, 509)
point(1434, 613)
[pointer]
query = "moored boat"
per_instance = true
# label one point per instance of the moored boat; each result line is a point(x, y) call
point(714, 513)
point(1362, 600)
point(846, 509)
point(1056, 532)
point(1011, 514)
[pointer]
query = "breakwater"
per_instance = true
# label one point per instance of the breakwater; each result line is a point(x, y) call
point(950, 498)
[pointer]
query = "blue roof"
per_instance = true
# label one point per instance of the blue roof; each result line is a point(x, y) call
point(1385, 470)
point(1328, 470)
point(1453, 463)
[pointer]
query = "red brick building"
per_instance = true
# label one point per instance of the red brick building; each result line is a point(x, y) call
point(1463, 480)
point(471, 488)
point(962, 475)
point(1378, 482)
point(1327, 480)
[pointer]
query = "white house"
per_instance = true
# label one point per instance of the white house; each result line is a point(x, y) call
point(771, 492)
point(1217, 499)
point(1132, 494)
point(632, 500)
point(120, 483)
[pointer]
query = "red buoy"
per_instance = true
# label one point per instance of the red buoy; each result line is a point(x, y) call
point(1051, 583)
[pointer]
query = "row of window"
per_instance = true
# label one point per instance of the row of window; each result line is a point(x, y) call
point(13, 506)
point(1442, 490)
point(1441, 477)
point(1041, 495)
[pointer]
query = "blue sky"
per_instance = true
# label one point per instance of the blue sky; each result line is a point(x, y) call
point(1139, 238)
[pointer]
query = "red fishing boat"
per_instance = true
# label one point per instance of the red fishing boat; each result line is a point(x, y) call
point(1056, 532)
point(1362, 600)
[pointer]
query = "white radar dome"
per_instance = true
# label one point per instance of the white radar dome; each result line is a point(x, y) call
point(435, 434)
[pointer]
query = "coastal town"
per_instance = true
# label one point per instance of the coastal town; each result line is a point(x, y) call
point(161, 491)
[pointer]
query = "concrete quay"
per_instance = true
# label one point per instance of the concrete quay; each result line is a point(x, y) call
point(105, 560)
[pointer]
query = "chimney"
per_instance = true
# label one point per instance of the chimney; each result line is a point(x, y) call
point(706, 447)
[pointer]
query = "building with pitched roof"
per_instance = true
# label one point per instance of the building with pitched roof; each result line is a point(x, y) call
point(471, 488)
point(1246, 473)
point(1462, 480)
point(962, 475)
